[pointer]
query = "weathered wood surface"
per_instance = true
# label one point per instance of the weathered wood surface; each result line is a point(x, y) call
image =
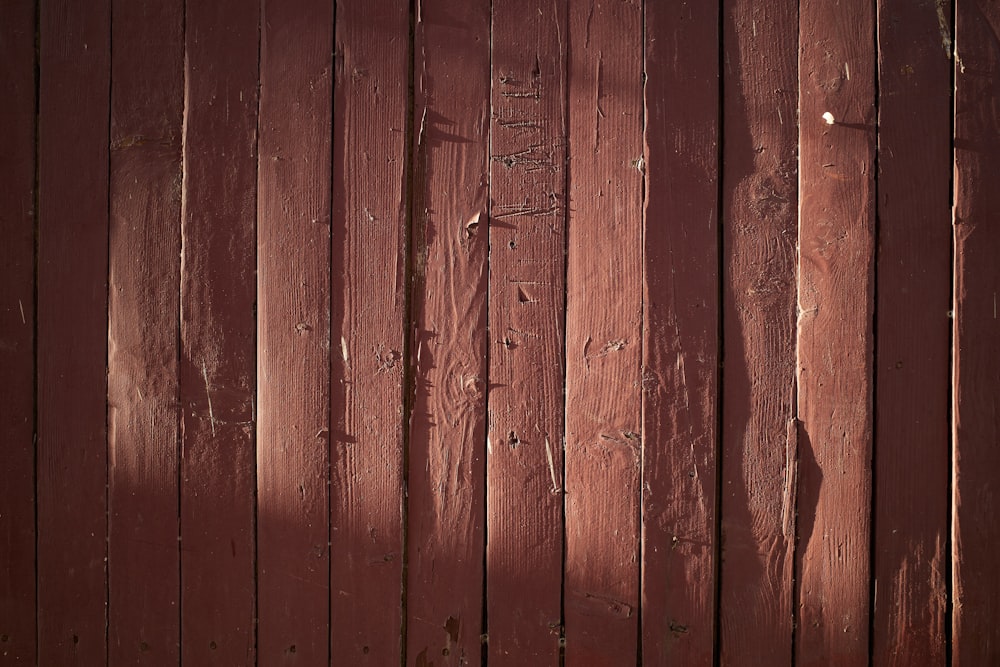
point(976, 363)
point(527, 291)
point(912, 349)
point(147, 106)
point(17, 332)
point(447, 439)
point(72, 331)
point(293, 332)
point(368, 339)
point(218, 347)
point(835, 331)
point(603, 334)
point(760, 235)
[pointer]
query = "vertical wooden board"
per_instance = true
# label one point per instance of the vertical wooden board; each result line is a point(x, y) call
point(912, 346)
point(74, 70)
point(446, 515)
point(293, 332)
point(681, 333)
point(603, 334)
point(526, 309)
point(836, 253)
point(760, 221)
point(144, 291)
point(976, 427)
point(17, 326)
point(370, 217)
point(217, 333)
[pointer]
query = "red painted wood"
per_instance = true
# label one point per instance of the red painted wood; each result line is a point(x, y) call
point(447, 446)
point(17, 325)
point(526, 304)
point(976, 428)
point(293, 332)
point(371, 136)
point(836, 260)
point(144, 290)
point(74, 71)
point(217, 333)
point(760, 230)
point(912, 349)
point(603, 334)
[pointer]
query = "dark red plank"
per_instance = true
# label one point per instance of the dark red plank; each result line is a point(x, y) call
point(912, 348)
point(975, 532)
point(17, 327)
point(527, 299)
point(217, 333)
point(603, 334)
point(836, 262)
point(74, 70)
point(147, 103)
point(371, 140)
point(293, 332)
point(760, 233)
point(447, 447)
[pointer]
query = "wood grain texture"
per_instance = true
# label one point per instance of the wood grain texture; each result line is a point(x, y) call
point(447, 446)
point(17, 332)
point(912, 349)
point(836, 261)
point(681, 333)
point(218, 606)
point(526, 305)
point(369, 301)
point(976, 413)
point(147, 101)
point(74, 71)
point(293, 332)
point(760, 236)
point(603, 334)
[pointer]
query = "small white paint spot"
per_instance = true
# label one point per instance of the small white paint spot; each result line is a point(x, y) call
point(828, 117)
point(343, 350)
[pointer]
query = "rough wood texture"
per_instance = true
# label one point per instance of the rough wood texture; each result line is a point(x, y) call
point(836, 260)
point(75, 68)
point(147, 98)
point(447, 444)
point(17, 330)
point(603, 334)
point(760, 232)
point(217, 333)
point(912, 348)
point(975, 532)
point(369, 302)
point(526, 304)
point(293, 332)
point(681, 333)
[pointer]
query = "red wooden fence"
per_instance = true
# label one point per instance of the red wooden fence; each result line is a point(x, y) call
point(516, 332)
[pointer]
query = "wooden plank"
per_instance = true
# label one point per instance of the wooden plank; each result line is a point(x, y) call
point(17, 327)
point(147, 104)
point(218, 606)
point(760, 213)
point(603, 334)
point(976, 426)
point(293, 332)
point(912, 348)
point(836, 240)
point(446, 514)
point(74, 71)
point(526, 306)
point(369, 310)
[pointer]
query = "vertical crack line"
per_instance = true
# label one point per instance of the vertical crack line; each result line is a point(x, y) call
point(107, 357)
point(567, 169)
point(256, 351)
point(178, 342)
point(796, 574)
point(484, 621)
point(642, 350)
point(876, 231)
point(408, 388)
point(34, 318)
point(332, 50)
point(952, 362)
point(720, 339)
